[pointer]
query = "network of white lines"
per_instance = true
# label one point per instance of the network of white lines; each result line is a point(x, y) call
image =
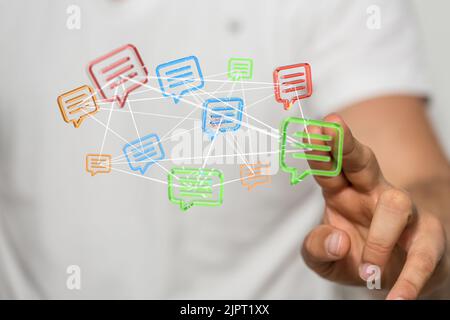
point(120, 79)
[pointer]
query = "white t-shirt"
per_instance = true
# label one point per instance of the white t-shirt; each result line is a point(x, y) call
point(127, 238)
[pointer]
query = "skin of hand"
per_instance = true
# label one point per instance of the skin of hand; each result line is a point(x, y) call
point(372, 220)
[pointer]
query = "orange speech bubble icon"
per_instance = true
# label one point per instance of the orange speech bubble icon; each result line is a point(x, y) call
point(98, 163)
point(77, 105)
point(253, 175)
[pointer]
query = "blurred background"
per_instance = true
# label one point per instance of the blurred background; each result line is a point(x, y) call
point(111, 233)
point(434, 28)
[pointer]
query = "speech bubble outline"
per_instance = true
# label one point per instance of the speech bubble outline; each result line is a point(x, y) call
point(241, 64)
point(287, 103)
point(185, 205)
point(91, 169)
point(89, 92)
point(337, 149)
point(136, 146)
point(227, 101)
point(121, 99)
point(188, 88)
point(246, 179)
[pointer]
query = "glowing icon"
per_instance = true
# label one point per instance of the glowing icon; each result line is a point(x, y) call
point(98, 163)
point(179, 77)
point(240, 69)
point(195, 187)
point(321, 148)
point(118, 73)
point(292, 83)
point(143, 152)
point(77, 105)
point(221, 115)
point(253, 175)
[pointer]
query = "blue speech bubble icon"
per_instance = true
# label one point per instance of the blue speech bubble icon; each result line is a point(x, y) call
point(179, 77)
point(143, 152)
point(221, 115)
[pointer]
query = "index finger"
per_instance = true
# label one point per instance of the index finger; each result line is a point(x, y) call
point(359, 164)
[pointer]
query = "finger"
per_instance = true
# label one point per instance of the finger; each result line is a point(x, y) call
point(329, 184)
point(324, 245)
point(425, 257)
point(393, 212)
point(359, 164)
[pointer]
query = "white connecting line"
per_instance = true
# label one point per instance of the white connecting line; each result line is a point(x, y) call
point(212, 144)
point(276, 135)
point(214, 156)
point(146, 113)
point(118, 159)
point(159, 91)
point(190, 94)
point(107, 124)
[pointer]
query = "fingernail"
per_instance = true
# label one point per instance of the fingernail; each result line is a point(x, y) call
point(363, 271)
point(333, 243)
point(399, 298)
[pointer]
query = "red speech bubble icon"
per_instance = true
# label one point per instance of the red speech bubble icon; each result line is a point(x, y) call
point(118, 73)
point(292, 83)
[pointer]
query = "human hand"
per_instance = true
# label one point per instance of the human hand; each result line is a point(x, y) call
point(368, 221)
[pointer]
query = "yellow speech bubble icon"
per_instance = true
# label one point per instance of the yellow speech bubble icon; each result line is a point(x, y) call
point(98, 163)
point(77, 105)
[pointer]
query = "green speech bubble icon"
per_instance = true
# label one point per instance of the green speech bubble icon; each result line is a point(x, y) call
point(240, 69)
point(195, 187)
point(300, 144)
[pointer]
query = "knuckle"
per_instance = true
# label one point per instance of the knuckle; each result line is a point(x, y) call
point(377, 247)
point(425, 263)
point(437, 230)
point(397, 201)
point(435, 225)
point(365, 157)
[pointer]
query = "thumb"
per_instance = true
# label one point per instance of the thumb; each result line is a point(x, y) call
point(323, 246)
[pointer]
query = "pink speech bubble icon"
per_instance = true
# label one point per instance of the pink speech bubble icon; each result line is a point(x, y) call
point(292, 83)
point(118, 73)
